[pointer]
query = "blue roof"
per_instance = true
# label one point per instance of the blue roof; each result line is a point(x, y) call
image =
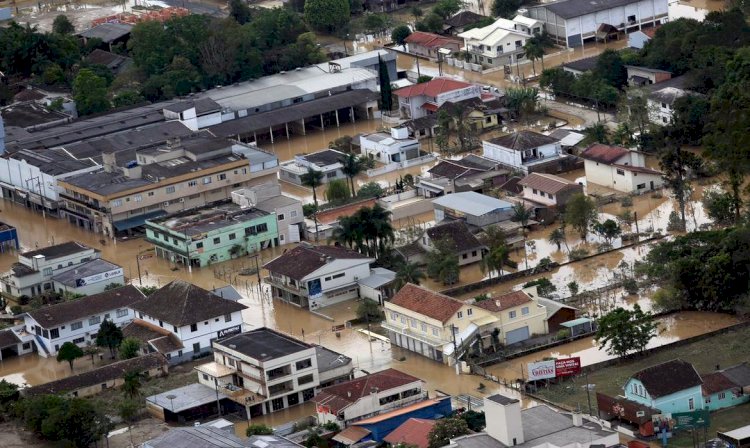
point(576, 322)
point(137, 221)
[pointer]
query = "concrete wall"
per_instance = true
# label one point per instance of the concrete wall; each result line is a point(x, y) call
point(91, 288)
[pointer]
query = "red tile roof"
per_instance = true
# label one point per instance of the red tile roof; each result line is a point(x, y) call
point(504, 301)
point(604, 153)
point(412, 432)
point(431, 88)
point(716, 382)
point(430, 40)
point(430, 107)
point(547, 183)
point(334, 399)
point(428, 303)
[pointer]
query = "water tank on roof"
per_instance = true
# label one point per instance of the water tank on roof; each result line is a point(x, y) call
point(399, 133)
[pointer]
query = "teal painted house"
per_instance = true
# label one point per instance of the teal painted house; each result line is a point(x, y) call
point(212, 234)
point(727, 388)
point(672, 386)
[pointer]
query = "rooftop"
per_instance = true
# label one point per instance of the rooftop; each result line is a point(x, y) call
point(160, 339)
point(53, 161)
point(202, 106)
point(548, 183)
point(431, 40)
point(263, 344)
point(181, 303)
point(73, 310)
point(427, 303)
point(568, 9)
point(341, 395)
point(502, 399)
point(503, 302)
point(668, 377)
point(99, 375)
point(209, 217)
point(323, 158)
point(413, 432)
point(472, 203)
point(203, 436)
point(739, 374)
point(186, 397)
point(107, 32)
point(667, 95)
point(305, 259)
point(602, 153)
point(58, 250)
point(456, 234)
point(97, 266)
point(523, 140)
point(463, 19)
point(432, 88)
point(329, 360)
point(582, 65)
point(378, 277)
point(114, 62)
point(28, 114)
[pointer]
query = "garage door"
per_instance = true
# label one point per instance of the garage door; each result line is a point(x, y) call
point(518, 335)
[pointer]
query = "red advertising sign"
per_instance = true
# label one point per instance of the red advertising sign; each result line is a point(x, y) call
point(568, 366)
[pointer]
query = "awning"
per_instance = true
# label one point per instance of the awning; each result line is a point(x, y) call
point(351, 435)
point(430, 107)
point(137, 221)
point(576, 322)
point(430, 187)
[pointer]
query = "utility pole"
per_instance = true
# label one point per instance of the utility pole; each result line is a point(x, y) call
point(588, 392)
point(138, 264)
point(455, 349)
point(39, 187)
point(218, 402)
point(257, 266)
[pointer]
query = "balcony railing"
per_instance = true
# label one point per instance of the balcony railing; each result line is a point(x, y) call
point(434, 342)
point(280, 283)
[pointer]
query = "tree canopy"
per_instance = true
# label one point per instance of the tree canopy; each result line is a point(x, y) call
point(622, 331)
point(327, 15)
point(69, 352)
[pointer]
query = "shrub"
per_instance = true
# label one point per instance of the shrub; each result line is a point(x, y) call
point(626, 201)
point(578, 254)
point(16, 309)
point(563, 333)
point(258, 430)
point(630, 286)
point(331, 426)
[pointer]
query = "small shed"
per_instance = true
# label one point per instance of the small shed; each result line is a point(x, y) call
point(582, 325)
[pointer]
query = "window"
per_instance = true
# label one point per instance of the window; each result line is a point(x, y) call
point(117, 203)
point(150, 193)
point(641, 186)
point(469, 312)
point(394, 316)
point(550, 196)
point(192, 183)
point(79, 340)
point(222, 176)
point(217, 240)
point(54, 333)
point(196, 347)
point(525, 310)
point(193, 327)
point(305, 379)
point(170, 189)
point(473, 253)
point(460, 314)
point(691, 404)
point(663, 105)
point(403, 320)
point(161, 324)
point(47, 271)
point(76, 326)
point(620, 172)
point(122, 312)
point(512, 315)
point(199, 245)
point(206, 180)
point(708, 400)
point(293, 213)
point(138, 198)
point(232, 236)
point(95, 320)
point(534, 190)
point(424, 328)
point(227, 318)
point(489, 61)
point(464, 256)
point(722, 395)
point(174, 328)
point(263, 227)
point(631, 19)
point(331, 175)
point(434, 331)
point(281, 217)
point(635, 389)
point(304, 364)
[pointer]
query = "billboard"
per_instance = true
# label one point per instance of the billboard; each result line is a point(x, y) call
point(101, 277)
point(229, 331)
point(541, 370)
point(690, 420)
point(554, 368)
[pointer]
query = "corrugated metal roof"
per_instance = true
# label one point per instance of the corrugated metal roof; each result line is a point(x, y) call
point(472, 203)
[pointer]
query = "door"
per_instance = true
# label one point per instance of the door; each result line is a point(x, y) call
point(518, 335)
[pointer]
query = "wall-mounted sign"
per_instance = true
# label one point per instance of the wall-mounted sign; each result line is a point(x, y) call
point(96, 278)
point(228, 331)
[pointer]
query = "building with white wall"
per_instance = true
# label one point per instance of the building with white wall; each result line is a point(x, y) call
point(548, 189)
point(524, 150)
point(317, 276)
point(268, 197)
point(33, 273)
point(620, 169)
point(500, 43)
point(368, 396)
point(327, 161)
point(572, 22)
point(195, 317)
point(425, 98)
point(389, 148)
point(89, 278)
point(78, 321)
point(264, 370)
point(195, 114)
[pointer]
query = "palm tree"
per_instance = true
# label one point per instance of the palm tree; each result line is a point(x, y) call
point(377, 231)
point(312, 179)
point(495, 260)
point(493, 237)
point(543, 41)
point(557, 237)
point(352, 165)
point(408, 272)
point(522, 215)
point(348, 233)
point(533, 51)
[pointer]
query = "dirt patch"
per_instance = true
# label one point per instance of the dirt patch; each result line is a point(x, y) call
point(13, 436)
point(142, 431)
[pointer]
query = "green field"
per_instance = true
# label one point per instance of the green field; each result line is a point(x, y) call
point(724, 349)
point(723, 420)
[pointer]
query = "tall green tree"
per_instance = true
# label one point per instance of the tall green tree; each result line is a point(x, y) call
point(399, 35)
point(447, 8)
point(349, 233)
point(239, 11)
point(408, 272)
point(109, 335)
point(505, 8)
point(131, 385)
point(611, 68)
point(129, 411)
point(62, 25)
point(494, 260)
point(580, 213)
point(351, 166)
point(677, 166)
point(718, 205)
point(557, 237)
point(313, 179)
point(69, 352)
point(623, 331)
point(129, 348)
point(384, 79)
point(533, 50)
point(337, 190)
point(90, 93)
point(442, 263)
point(609, 230)
point(446, 429)
point(327, 15)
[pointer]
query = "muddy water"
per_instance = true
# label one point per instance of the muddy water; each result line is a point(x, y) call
point(32, 370)
point(671, 328)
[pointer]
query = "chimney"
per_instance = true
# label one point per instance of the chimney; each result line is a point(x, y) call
point(577, 418)
point(109, 161)
point(505, 415)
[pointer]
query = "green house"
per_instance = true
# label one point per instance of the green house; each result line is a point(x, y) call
point(212, 234)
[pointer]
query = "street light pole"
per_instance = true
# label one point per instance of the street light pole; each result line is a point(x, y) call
point(218, 403)
point(138, 264)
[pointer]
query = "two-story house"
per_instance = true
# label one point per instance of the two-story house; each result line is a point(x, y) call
point(193, 315)
point(395, 147)
point(32, 274)
point(288, 211)
point(500, 43)
point(620, 169)
point(548, 194)
point(428, 45)
point(520, 315)
point(457, 236)
point(527, 151)
point(328, 162)
point(317, 276)
point(370, 395)
point(89, 278)
point(78, 321)
point(264, 370)
point(672, 386)
point(425, 98)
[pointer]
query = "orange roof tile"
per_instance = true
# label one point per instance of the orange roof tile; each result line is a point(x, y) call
point(412, 432)
point(428, 303)
point(431, 88)
point(504, 301)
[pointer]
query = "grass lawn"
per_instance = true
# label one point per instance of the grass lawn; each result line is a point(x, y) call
point(723, 420)
point(725, 349)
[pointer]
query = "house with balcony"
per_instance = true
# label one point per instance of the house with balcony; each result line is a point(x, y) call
point(266, 371)
point(470, 173)
point(395, 147)
point(368, 396)
point(160, 179)
point(425, 98)
point(428, 45)
point(317, 276)
point(180, 320)
point(500, 43)
point(620, 169)
point(268, 197)
point(33, 274)
point(327, 161)
point(78, 320)
point(213, 233)
point(527, 151)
